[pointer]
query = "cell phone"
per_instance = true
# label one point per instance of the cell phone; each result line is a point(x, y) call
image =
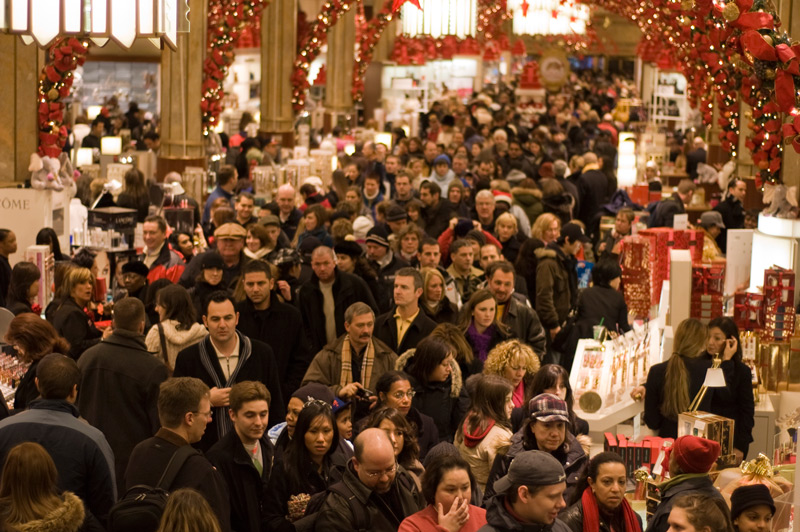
point(363, 393)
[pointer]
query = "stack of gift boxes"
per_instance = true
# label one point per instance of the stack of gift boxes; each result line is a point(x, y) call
point(708, 285)
point(646, 262)
point(771, 315)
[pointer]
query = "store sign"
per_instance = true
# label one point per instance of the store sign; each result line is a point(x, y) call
point(554, 69)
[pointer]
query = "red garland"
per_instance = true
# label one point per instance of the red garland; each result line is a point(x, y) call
point(55, 83)
point(368, 36)
point(230, 23)
point(311, 47)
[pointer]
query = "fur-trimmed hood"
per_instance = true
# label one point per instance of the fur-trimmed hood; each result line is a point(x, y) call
point(456, 382)
point(545, 253)
point(520, 192)
point(68, 517)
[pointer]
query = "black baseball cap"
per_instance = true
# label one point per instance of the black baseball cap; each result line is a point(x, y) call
point(531, 468)
point(574, 232)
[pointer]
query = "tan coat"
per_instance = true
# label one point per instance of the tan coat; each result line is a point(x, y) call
point(177, 340)
point(326, 368)
point(481, 457)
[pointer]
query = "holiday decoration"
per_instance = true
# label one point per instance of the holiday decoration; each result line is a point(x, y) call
point(55, 83)
point(368, 36)
point(228, 21)
point(310, 47)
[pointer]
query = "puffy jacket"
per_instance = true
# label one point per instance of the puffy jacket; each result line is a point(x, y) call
point(66, 517)
point(499, 520)
point(169, 265)
point(571, 455)
point(480, 450)
point(446, 402)
point(336, 515)
point(556, 285)
point(177, 339)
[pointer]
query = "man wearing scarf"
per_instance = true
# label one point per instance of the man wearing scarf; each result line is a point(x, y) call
point(354, 361)
point(224, 358)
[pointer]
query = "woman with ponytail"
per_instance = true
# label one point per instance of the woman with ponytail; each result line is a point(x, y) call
point(599, 504)
point(672, 385)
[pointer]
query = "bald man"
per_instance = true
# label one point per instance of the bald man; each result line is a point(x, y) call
point(375, 493)
point(285, 208)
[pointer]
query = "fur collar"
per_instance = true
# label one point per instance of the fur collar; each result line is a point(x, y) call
point(522, 191)
point(68, 517)
point(542, 253)
point(456, 382)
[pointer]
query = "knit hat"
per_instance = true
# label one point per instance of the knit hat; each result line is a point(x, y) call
point(531, 468)
point(135, 266)
point(212, 259)
point(378, 235)
point(348, 247)
point(308, 245)
point(312, 391)
point(396, 213)
point(745, 497)
point(442, 159)
point(463, 226)
point(361, 226)
point(547, 407)
point(694, 454)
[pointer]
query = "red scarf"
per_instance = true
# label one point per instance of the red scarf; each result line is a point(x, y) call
point(591, 514)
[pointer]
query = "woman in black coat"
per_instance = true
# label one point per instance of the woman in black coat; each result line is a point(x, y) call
point(69, 319)
point(435, 302)
point(436, 378)
point(310, 465)
point(735, 400)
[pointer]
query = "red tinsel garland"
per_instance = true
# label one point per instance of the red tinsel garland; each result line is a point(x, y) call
point(311, 47)
point(228, 22)
point(55, 83)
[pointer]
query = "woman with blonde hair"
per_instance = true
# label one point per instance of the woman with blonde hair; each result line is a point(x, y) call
point(506, 229)
point(69, 319)
point(29, 496)
point(546, 229)
point(188, 511)
point(516, 362)
point(435, 302)
point(672, 385)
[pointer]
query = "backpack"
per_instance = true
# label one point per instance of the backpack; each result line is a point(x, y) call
point(141, 508)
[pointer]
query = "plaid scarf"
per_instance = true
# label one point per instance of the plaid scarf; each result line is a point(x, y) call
point(346, 376)
point(207, 351)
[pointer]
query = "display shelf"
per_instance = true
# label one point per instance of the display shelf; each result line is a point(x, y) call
point(603, 420)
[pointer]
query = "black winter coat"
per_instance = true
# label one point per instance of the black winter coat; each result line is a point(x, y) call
point(436, 219)
point(386, 276)
point(386, 331)
point(524, 324)
point(150, 458)
point(732, 212)
point(653, 399)
point(347, 289)
point(735, 401)
point(593, 188)
point(120, 379)
point(281, 327)
point(71, 322)
point(427, 433)
point(246, 488)
point(570, 454)
point(573, 518)
point(27, 390)
point(260, 367)
point(690, 486)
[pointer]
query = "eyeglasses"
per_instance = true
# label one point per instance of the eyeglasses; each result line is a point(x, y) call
point(373, 475)
point(399, 395)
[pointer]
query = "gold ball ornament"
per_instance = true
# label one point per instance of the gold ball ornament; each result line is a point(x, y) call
point(687, 5)
point(769, 74)
point(52, 94)
point(730, 12)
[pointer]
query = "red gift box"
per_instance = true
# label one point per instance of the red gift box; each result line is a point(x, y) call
point(779, 287)
point(749, 312)
point(708, 278)
point(637, 275)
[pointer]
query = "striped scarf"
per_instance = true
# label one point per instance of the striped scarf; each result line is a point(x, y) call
point(207, 351)
point(346, 376)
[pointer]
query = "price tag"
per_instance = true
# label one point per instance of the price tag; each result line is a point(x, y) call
point(680, 222)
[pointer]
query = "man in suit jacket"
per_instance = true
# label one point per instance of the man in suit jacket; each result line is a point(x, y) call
point(403, 327)
point(224, 358)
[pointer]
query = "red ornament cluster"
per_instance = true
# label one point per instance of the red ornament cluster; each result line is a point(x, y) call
point(311, 46)
point(229, 21)
point(55, 82)
point(368, 36)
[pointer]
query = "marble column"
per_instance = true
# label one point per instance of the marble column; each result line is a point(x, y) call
point(182, 140)
point(278, 41)
point(20, 65)
point(339, 63)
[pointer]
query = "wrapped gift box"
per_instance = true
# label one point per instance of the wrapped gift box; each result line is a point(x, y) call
point(708, 278)
point(706, 307)
point(662, 240)
point(748, 311)
point(711, 427)
point(636, 275)
point(779, 322)
point(779, 287)
point(773, 364)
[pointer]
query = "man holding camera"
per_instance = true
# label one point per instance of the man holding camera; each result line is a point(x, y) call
point(355, 361)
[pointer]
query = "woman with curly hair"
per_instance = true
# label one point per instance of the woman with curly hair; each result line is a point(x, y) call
point(486, 431)
point(516, 362)
point(401, 434)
